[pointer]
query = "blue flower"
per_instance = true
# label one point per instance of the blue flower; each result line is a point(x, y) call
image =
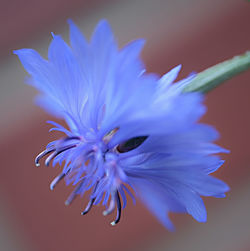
point(129, 133)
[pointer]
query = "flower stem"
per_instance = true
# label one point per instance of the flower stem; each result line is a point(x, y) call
point(217, 74)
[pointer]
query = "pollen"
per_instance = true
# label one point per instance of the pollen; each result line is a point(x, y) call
point(87, 162)
point(109, 135)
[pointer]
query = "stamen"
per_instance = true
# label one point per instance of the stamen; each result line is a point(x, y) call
point(47, 151)
point(71, 138)
point(73, 194)
point(42, 154)
point(91, 201)
point(88, 207)
point(53, 155)
point(56, 180)
point(110, 208)
point(118, 208)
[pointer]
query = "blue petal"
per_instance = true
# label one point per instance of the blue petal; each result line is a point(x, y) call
point(167, 79)
point(81, 51)
point(155, 201)
point(101, 33)
point(209, 186)
point(49, 105)
point(37, 67)
point(168, 118)
point(195, 179)
point(78, 42)
point(192, 140)
point(194, 205)
point(189, 199)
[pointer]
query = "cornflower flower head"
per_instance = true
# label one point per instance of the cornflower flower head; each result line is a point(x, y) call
point(129, 133)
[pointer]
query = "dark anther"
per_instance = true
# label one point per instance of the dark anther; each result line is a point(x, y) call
point(54, 154)
point(42, 154)
point(131, 144)
point(56, 151)
point(118, 208)
point(91, 201)
point(71, 138)
point(88, 207)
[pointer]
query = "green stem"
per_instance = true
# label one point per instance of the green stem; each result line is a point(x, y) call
point(217, 74)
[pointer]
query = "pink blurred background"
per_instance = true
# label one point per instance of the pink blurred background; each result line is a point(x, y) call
point(196, 34)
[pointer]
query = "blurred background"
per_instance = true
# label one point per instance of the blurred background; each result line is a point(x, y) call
point(195, 33)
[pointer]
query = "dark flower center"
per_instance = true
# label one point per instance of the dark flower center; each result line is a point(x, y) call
point(131, 144)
